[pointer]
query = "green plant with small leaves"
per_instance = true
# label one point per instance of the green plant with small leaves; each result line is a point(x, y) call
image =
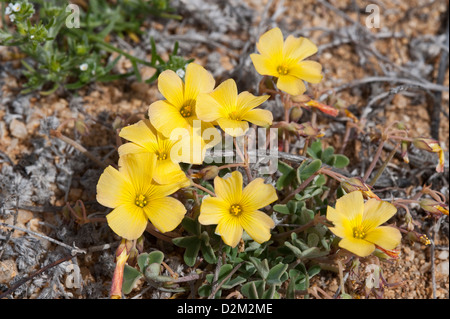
point(68, 48)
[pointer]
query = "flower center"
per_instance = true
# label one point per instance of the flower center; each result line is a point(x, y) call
point(161, 155)
point(187, 109)
point(234, 115)
point(140, 201)
point(359, 233)
point(236, 210)
point(282, 70)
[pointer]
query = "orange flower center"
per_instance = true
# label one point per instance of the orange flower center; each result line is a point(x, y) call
point(282, 70)
point(141, 201)
point(359, 233)
point(187, 109)
point(236, 210)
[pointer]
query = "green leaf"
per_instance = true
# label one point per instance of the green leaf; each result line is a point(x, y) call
point(315, 150)
point(340, 161)
point(313, 240)
point(327, 155)
point(308, 170)
point(314, 270)
point(320, 180)
point(208, 252)
point(270, 293)
point(288, 174)
point(155, 257)
point(192, 245)
point(297, 252)
point(130, 276)
point(152, 270)
point(191, 225)
point(283, 209)
point(275, 273)
point(261, 266)
point(142, 261)
point(253, 289)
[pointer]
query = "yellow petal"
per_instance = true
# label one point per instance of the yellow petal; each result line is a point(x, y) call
point(131, 148)
point(127, 221)
point(257, 195)
point(233, 127)
point(210, 134)
point(156, 191)
point(247, 101)
point(309, 71)
point(333, 216)
point(140, 168)
point(270, 44)
point(263, 65)
point(377, 212)
point(197, 80)
point(385, 236)
point(359, 247)
point(291, 85)
point(259, 117)
point(230, 230)
point(113, 189)
point(166, 118)
point(165, 213)
point(229, 189)
point(212, 210)
point(140, 133)
point(226, 96)
point(207, 108)
point(257, 225)
point(298, 48)
point(191, 148)
point(171, 87)
point(168, 172)
point(351, 206)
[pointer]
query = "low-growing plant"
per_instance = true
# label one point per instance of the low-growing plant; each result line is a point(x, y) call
point(65, 45)
point(257, 235)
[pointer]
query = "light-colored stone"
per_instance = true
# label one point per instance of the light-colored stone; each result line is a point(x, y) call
point(442, 268)
point(18, 129)
point(8, 271)
point(443, 255)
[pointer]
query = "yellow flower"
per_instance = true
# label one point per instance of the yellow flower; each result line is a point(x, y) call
point(135, 198)
point(178, 111)
point(358, 224)
point(284, 60)
point(236, 209)
point(145, 138)
point(232, 111)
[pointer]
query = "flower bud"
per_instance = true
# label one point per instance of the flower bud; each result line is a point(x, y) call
point(404, 154)
point(296, 114)
point(207, 173)
point(356, 184)
point(122, 254)
point(433, 206)
point(327, 109)
point(431, 145)
point(427, 144)
point(386, 254)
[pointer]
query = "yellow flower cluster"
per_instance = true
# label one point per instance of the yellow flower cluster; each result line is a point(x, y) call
point(149, 171)
point(180, 128)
